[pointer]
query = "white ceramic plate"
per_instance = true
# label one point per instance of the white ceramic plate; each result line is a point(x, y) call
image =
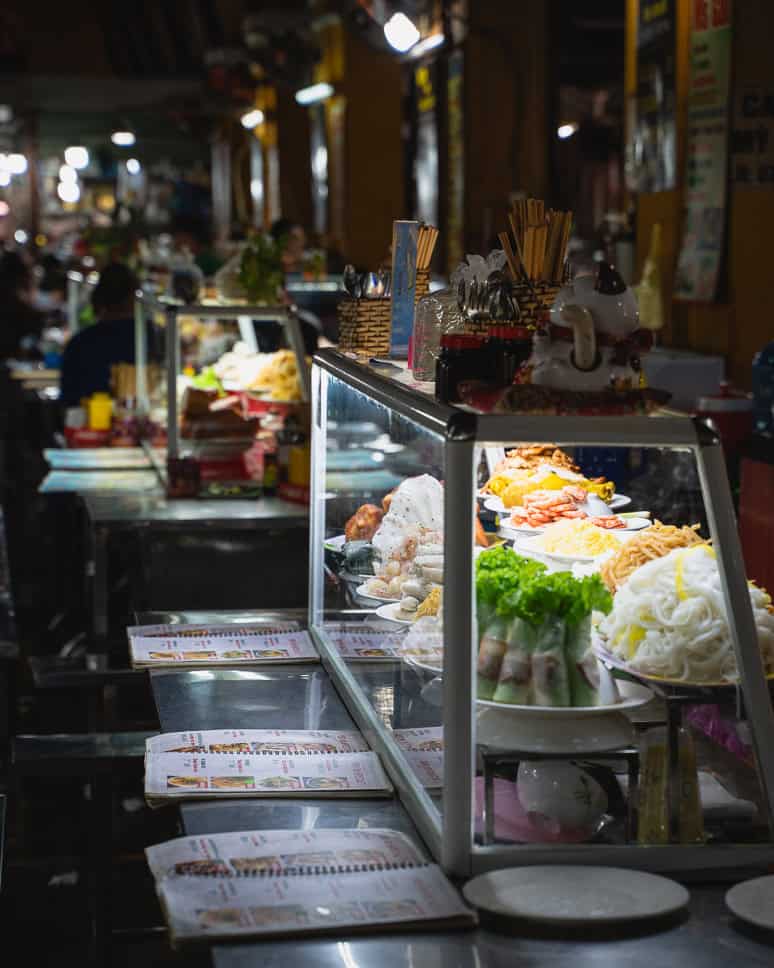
point(631, 701)
point(753, 901)
point(493, 503)
point(526, 544)
point(508, 530)
point(393, 613)
point(575, 895)
point(336, 543)
point(362, 593)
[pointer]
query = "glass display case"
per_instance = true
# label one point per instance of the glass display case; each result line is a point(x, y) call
point(544, 626)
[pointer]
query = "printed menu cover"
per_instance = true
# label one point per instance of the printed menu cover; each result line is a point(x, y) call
point(208, 775)
point(196, 645)
point(282, 882)
point(273, 853)
point(423, 750)
point(359, 641)
point(271, 742)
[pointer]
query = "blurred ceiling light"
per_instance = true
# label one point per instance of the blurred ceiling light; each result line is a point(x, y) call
point(429, 43)
point(76, 156)
point(68, 191)
point(567, 130)
point(124, 139)
point(17, 164)
point(401, 33)
point(6, 113)
point(20, 236)
point(67, 173)
point(313, 94)
point(5, 178)
point(252, 119)
point(133, 166)
point(5, 208)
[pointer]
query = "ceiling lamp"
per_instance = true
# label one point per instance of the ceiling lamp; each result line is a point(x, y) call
point(565, 131)
point(252, 119)
point(401, 33)
point(5, 178)
point(67, 173)
point(313, 94)
point(123, 139)
point(133, 166)
point(68, 191)
point(77, 156)
point(16, 164)
point(428, 44)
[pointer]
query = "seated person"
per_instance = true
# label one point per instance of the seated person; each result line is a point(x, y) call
point(90, 354)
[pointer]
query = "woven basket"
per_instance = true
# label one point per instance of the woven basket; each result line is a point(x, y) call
point(535, 300)
point(365, 325)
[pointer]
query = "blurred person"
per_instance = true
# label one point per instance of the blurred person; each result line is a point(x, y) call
point(90, 354)
point(21, 323)
point(291, 236)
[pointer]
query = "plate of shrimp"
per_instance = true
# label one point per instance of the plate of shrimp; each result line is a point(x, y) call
point(541, 508)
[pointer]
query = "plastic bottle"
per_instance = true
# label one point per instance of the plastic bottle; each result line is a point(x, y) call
point(100, 411)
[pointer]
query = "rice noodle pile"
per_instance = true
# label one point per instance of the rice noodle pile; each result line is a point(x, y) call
point(653, 542)
point(669, 619)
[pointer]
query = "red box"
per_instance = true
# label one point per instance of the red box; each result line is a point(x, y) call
point(83, 437)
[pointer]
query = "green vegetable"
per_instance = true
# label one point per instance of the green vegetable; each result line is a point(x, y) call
point(207, 379)
point(260, 269)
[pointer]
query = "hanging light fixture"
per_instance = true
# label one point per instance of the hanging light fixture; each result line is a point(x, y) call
point(401, 33)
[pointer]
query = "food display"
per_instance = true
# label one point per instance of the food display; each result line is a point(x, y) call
point(274, 376)
point(278, 378)
point(542, 507)
point(577, 537)
point(655, 542)
point(669, 620)
point(540, 468)
point(535, 632)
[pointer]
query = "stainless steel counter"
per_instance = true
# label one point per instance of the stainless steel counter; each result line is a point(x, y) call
point(140, 510)
point(303, 697)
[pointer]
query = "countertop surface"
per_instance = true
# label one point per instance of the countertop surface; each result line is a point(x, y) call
point(302, 696)
point(137, 510)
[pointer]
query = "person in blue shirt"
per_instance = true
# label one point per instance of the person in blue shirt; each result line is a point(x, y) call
point(91, 353)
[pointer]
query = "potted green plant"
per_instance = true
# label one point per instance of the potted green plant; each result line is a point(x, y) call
point(260, 269)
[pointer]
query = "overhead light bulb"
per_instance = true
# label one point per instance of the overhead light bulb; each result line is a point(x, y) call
point(5, 178)
point(133, 166)
point(77, 156)
point(252, 119)
point(401, 33)
point(17, 164)
point(68, 191)
point(124, 139)
point(20, 237)
point(314, 93)
point(67, 173)
point(429, 43)
point(566, 130)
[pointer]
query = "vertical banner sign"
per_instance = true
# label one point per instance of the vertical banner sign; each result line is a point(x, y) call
point(426, 160)
point(705, 194)
point(655, 132)
point(404, 279)
point(752, 141)
point(455, 160)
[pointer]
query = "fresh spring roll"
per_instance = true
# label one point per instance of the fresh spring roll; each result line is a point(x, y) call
point(515, 683)
point(582, 664)
point(551, 683)
point(491, 650)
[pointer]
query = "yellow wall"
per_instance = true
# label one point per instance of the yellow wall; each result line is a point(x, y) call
point(741, 324)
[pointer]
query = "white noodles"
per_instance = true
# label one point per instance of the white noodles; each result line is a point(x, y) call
point(669, 619)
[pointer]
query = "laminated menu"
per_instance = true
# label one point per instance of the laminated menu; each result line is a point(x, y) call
point(215, 775)
point(155, 646)
point(265, 883)
point(423, 750)
point(265, 741)
point(359, 641)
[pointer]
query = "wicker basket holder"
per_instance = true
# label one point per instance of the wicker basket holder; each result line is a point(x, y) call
point(534, 301)
point(365, 325)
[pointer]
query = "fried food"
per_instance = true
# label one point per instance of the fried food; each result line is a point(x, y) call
point(364, 523)
point(653, 542)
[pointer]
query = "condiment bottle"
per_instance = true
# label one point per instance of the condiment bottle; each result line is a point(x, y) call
point(508, 347)
point(100, 410)
point(460, 359)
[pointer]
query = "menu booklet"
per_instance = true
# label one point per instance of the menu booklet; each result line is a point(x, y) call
point(260, 763)
point(265, 883)
point(423, 751)
point(155, 646)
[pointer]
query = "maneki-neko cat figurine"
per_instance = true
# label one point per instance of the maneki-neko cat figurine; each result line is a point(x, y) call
point(592, 340)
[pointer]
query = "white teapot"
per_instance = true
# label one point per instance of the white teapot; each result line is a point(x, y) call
point(591, 342)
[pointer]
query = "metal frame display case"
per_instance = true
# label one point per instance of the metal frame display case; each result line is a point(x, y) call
point(459, 434)
point(245, 314)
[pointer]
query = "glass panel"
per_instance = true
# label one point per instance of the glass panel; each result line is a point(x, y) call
point(383, 556)
point(607, 709)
